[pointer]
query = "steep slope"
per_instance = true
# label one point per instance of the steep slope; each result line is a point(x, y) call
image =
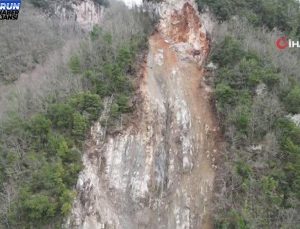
point(37, 81)
point(158, 172)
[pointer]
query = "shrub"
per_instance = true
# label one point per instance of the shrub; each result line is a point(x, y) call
point(122, 101)
point(115, 111)
point(102, 2)
point(44, 4)
point(224, 94)
point(42, 176)
point(87, 104)
point(60, 115)
point(269, 13)
point(80, 124)
point(37, 207)
point(292, 101)
point(95, 33)
point(242, 122)
point(257, 182)
point(74, 64)
point(39, 127)
point(229, 52)
point(270, 78)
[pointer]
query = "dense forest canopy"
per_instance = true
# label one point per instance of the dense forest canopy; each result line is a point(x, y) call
point(41, 140)
point(256, 94)
point(283, 15)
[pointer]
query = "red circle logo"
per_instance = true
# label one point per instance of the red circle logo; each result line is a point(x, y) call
point(282, 42)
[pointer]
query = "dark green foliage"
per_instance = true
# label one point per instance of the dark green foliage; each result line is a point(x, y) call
point(283, 15)
point(112, 78)
point(52, 161)
point(48, 169)
point(39, 127)
point(96, 33)
point(292, 101)
point(50, 141)
point(224, 94)
point(61, 115)
point(74, 64)
point(234, 220)
point(153, 0)
point(289, 135)
point(115, 111)
point(102, 2)
point(80, 124)
point(48, 4)
point(263, 185)
point(239, 73)
point(228, 53)
point(243, 169)
point(40, 156)
point(122, 101)
point(87, 104)
point(125, 58)
point(270, 77)
point(36, 207)
point(242, 119)
point(44, 4)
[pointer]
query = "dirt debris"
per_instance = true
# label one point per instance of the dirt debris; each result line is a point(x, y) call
point(158, 173)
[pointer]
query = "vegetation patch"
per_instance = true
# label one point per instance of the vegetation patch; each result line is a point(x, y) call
point(40, 154)
point(283, 15)
point(258, 183)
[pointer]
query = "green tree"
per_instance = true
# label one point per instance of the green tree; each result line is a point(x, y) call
point(125, 58)
point(95, 33)
point(87, 104)
point(80, 124)
point(39, 127)
point(102, 2)
point(229, 52)
point(292, 101)
point(66, 200)
point(122, 102)
point(44, 4)
point(224, 94)
point(74, 64)
point(61, 115)
point(37, 208)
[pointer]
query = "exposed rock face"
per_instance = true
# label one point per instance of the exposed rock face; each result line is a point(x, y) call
point(295, 119)
point(85, 13)
point(132, 3)
point(159, 172)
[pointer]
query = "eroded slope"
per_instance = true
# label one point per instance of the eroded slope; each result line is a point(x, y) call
point(159, 171)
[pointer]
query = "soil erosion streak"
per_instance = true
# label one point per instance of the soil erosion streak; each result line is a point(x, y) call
point(159, 171)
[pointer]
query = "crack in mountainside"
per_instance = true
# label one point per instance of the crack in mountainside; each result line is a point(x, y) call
point(159, 171)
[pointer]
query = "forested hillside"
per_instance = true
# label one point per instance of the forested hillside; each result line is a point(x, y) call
point(257, 92)
point(41, 140)
point(22, 51)
point(282, 15)
point(56, 78)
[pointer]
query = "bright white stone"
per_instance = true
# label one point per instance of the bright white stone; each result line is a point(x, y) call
point(132, 3)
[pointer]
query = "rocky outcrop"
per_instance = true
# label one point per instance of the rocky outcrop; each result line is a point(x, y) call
point(132, 3)
point(157, 172)
point(84, 13)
